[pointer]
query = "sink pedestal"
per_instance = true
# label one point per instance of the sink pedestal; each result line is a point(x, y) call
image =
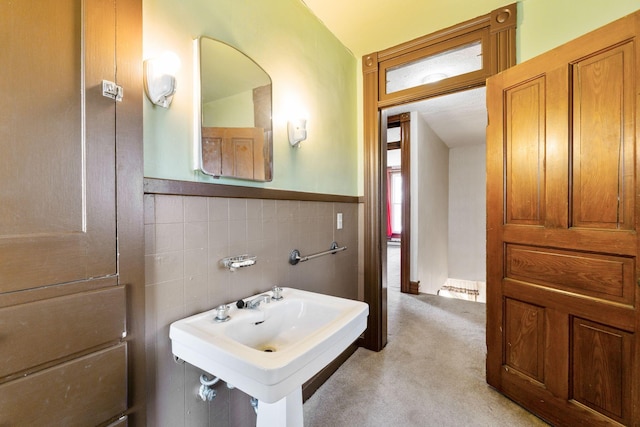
point(286, 412)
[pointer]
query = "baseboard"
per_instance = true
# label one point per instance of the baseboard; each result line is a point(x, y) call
point(318, 379)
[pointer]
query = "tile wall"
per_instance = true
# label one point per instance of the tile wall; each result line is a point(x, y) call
point(185, 238)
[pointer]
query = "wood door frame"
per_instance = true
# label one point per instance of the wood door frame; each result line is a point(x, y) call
point(403, 121)
point(498, 28)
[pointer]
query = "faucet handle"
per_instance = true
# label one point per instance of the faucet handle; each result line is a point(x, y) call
point(222, 313)
point(276, 293)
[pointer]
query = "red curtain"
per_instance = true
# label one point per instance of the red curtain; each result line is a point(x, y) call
point(389, 230)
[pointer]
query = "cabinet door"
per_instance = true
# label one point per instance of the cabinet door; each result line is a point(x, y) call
point(57, 150)
point(562, 270)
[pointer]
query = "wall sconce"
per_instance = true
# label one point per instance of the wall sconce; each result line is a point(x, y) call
point(159, 78)
point(297, 129)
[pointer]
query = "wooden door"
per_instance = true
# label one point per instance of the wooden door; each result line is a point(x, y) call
point(562, 219)
point(234, 152)
point(63, 360)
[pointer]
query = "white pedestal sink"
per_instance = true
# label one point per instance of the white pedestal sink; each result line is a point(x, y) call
point(269, 352)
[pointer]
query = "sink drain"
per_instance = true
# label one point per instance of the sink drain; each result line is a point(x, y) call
point(269, 349)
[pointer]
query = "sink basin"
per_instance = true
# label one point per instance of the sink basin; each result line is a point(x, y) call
point(270, 351)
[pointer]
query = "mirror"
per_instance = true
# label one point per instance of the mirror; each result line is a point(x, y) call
point(232, 117)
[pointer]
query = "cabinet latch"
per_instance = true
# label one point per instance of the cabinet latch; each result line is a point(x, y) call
point(112, 90)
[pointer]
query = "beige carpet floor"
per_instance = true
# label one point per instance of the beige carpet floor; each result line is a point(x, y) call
point(431, 373)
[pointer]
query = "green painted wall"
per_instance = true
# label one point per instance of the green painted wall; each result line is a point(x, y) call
point(312, 72)
point(310, 68)
point(235, 111)
point(545, 24)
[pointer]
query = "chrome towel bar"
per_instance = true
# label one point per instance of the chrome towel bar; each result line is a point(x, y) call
point(295, 257)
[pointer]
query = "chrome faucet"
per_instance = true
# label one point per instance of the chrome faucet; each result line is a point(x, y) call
point(254, 303)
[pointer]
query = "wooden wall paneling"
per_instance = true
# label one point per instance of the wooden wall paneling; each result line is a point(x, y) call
point(189, 188)
point(45, 331)
point(23, 297)
point(100, 151)
point(87, 391)
point(59, 269)
point(130, 226)
point(62, 264)
point(51, 237)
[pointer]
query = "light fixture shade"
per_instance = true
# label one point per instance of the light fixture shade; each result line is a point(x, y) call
point(158, 83)
point(297, 130)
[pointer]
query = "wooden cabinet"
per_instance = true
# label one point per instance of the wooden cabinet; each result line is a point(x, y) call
point(562, 220)
point(69, 287)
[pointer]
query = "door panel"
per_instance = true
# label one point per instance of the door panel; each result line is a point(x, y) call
point(33, 335)
point(525, 337)
point(238, 152)
point(606, 277)
point(603, 144)
point(59, 134)
point(602, 358)
point(525, 166)
point(87, 391)
point(562, 214)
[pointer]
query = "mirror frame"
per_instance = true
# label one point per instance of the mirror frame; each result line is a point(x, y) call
point(198, 161)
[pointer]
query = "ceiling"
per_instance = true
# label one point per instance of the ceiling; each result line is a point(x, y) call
point(458, 119)
point(366, 26)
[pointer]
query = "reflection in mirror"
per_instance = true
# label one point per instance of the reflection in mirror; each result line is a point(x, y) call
point(232, 103)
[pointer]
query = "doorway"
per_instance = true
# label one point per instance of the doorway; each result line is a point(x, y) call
point(444, 172)
point(397, 149)
point(489, 44)
point(395, 205)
